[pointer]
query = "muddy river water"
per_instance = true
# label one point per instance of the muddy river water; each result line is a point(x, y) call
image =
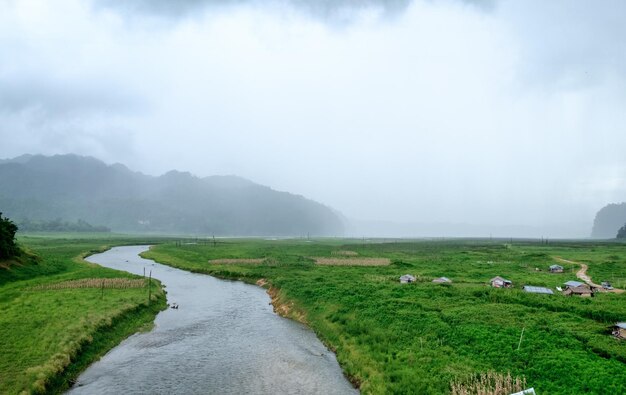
point(223, 339)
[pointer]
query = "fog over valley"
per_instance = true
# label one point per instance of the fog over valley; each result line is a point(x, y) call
point(330, 197)
point(394, 118)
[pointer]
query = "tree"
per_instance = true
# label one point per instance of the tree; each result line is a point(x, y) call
point(621, 234)
point(8, 248)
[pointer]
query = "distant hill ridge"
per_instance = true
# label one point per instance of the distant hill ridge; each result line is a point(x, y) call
point(609, 220)
point(73, 187)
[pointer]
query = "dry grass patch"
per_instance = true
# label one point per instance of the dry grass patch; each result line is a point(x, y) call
point(489, 383)
point(237, 261)
point(345, 253)
point(352, 261)
point(118, 283)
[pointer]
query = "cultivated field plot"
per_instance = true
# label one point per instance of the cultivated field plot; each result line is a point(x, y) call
point(237, 261)
point(345, 253)
point(352, 261)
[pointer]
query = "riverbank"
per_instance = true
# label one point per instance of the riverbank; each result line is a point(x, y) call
point(57, 318)
point(421, 337)
point(223, 337)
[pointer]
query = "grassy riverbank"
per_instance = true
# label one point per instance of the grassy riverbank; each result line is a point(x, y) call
point(417, 338)
point(59, 313)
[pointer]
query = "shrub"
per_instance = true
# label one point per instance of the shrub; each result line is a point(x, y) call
point(8, 248)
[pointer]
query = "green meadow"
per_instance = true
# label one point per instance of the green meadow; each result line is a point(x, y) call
point(52, 328)
point(420, 337)
point(389, 337)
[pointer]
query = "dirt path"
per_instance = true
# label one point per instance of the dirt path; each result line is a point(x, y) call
point(582, 274)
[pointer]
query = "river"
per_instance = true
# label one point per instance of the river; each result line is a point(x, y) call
point(223, 339)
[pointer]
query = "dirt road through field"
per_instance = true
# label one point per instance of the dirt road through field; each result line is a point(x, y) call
point(582, 274)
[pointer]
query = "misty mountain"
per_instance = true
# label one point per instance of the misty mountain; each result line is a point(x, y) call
point(609, 220)
point(73, 188)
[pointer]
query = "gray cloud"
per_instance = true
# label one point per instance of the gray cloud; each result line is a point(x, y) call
point(572, 46)
point(325, 8)
point(330, 10)
point(50, 98)
point(451, 111)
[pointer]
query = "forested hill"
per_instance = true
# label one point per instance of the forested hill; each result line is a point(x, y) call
point(71, 188)
point(609, 220)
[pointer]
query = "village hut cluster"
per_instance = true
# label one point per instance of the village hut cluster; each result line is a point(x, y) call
point(570, 288)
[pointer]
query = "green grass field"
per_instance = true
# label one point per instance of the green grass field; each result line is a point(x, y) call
point(50, 335)
point(417, 338)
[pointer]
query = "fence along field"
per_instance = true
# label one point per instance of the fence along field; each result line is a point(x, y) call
point(117, 283)
point(56, 317)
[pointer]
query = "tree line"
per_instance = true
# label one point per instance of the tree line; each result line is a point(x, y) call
point(58, 225)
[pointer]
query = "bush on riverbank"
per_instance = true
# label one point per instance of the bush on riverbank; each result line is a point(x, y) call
point(8, 247)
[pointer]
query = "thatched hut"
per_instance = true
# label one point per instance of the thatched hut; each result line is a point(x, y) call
point(583, 291)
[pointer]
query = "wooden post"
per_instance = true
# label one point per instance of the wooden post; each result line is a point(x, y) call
point(520, 338)
point(150, 287)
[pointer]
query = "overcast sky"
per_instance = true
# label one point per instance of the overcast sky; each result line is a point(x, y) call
point(480, 112)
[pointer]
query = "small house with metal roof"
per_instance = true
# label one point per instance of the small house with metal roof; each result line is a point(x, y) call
point(573, 284)
point(556, 269)
point(407, 278)
point(499, 282)
point(538, 290)
point(442, 280)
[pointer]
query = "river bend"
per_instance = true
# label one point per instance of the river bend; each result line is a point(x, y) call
point(223, 339)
